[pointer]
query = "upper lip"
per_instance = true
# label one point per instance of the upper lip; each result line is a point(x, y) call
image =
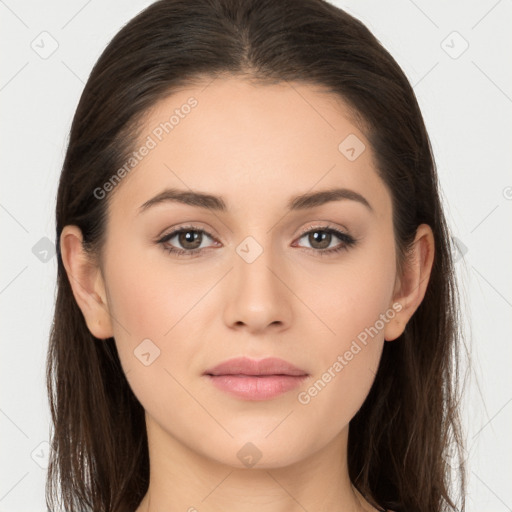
point(247, 366)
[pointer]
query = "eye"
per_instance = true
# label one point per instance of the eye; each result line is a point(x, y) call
point(320, 240)
point(189, 238)
point(190, 241)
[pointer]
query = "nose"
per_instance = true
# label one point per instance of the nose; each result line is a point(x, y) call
point(257, 295)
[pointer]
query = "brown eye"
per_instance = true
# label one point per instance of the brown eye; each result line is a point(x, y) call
point(190, 239)
point(319, 239)
point(186, 241)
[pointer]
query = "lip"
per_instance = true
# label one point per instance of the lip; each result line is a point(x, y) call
point(252, 379)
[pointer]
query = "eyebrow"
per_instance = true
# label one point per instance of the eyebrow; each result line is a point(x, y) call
point(216, 203)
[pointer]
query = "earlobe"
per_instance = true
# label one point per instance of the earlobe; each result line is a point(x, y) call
point(86, 282)
point(412, 285)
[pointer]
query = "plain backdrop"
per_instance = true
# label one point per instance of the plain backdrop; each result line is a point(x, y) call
point(455, 54)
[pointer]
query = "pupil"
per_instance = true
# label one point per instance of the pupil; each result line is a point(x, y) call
point(324, 239)
point(190, 237)
point(321, 238)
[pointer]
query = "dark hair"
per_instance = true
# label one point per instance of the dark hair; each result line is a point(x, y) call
point(400, 437)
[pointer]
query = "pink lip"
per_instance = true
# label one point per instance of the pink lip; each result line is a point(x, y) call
point(256, 380)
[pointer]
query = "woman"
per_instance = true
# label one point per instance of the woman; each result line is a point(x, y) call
point(256, 305)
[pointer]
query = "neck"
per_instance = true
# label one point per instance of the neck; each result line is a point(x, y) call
point(184, 480)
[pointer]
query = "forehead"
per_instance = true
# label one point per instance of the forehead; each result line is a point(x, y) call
point(253, 144)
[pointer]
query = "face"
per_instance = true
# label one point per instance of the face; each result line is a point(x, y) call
point(254, 273)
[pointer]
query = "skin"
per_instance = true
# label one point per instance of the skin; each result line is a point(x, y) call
point(256, 146)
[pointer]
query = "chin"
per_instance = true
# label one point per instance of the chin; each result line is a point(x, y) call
point(260, 453)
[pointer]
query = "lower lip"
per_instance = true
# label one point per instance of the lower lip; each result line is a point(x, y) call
point(256, 388)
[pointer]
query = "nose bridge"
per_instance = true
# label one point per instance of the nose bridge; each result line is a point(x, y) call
point(257, 297)
point(253, 262)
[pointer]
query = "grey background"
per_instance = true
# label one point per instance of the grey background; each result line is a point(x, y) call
point(466, 98)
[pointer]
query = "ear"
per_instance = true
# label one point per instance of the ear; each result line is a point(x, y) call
point(86, 282)
point(410, 288)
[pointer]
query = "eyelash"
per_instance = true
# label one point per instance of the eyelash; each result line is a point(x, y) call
point(346, 239)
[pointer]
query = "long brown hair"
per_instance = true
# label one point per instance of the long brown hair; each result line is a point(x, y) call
point(400, 439)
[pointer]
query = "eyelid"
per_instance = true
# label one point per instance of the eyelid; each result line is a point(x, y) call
point(342, 234)
point(324, 225)
point(347, 240)
point(192, 225)
point(316, 225)
point(177, 230)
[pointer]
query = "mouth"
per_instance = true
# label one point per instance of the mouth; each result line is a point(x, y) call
point(251, 379)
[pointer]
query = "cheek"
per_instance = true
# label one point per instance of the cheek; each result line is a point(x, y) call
point(155, 315)
point(350, 297)
point(334, 395)
point(346, 360)
point(353, 300)
point(150, 294)
point(149, 308)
